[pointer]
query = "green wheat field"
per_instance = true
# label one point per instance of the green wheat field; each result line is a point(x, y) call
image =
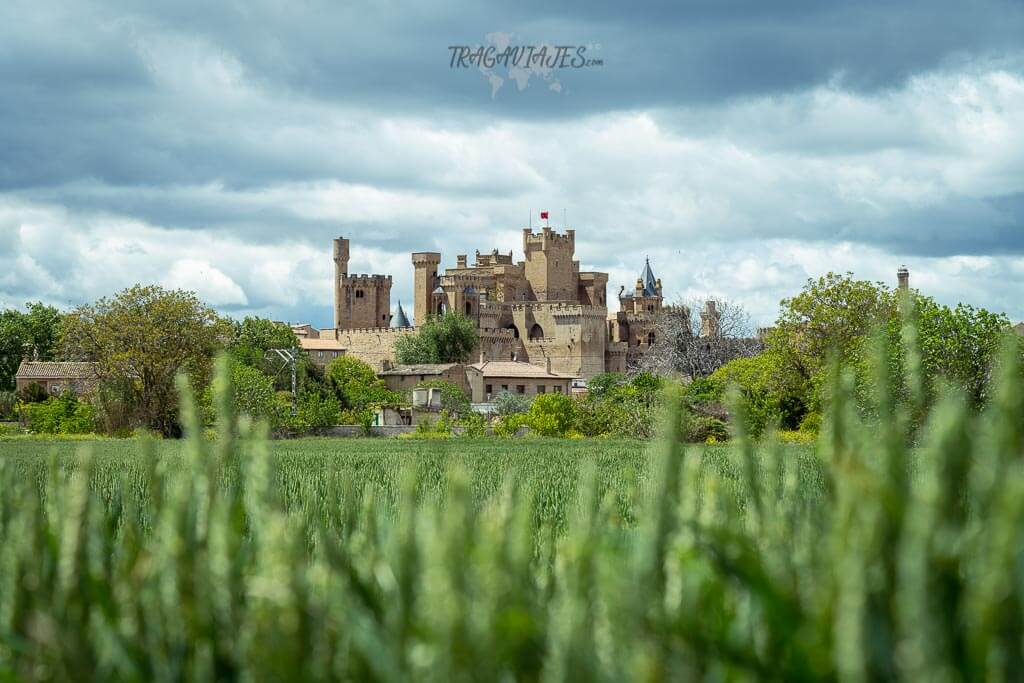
point(877, 554)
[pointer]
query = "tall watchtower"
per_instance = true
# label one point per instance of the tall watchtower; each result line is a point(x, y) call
point(550, 270)
point(424, 284)
point(359, 300)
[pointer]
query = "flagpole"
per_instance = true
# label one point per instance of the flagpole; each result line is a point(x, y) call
point(531, 220)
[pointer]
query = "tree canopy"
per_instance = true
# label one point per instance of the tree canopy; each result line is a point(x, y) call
point(449, 338)
point(33, 333)
point(356, 384)
point(140, 339)
point(837, 315)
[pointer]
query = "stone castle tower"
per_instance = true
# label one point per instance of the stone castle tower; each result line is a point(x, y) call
point(425, 281)
point(360, 301)
point(550, 269)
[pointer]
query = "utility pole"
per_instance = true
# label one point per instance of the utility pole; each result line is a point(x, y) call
point(289, 357)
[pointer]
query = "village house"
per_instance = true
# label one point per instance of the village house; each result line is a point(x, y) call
point(488, 379)
point(321, 351)
point(56, 377)
point(403, 378)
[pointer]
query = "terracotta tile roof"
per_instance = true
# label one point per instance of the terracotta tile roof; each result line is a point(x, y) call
point(421, 369)
point(511, 368)
point(55, 370)
point(310, 344)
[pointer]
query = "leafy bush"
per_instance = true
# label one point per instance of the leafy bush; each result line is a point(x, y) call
point(551, 414)
point(620, 406)
point(473, 424)
point(63, 415)
point(355, 384)
point(509, 425)
point(8, 402)
point(508, 403)
point(32, 393)
point(700, 429)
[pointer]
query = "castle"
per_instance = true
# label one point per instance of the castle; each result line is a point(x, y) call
point(541, 310)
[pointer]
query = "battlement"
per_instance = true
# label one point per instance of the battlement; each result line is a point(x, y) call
point(395, 331)
point(363, 277)
point(426, 258)
point(557, 308)
point(546, 237)
point(497, 333)
point(492, 259)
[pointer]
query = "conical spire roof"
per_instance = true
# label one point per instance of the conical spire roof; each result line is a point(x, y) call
point(650, 282)
point(400, 319)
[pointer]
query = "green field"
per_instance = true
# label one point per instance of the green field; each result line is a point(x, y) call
point(241, 558)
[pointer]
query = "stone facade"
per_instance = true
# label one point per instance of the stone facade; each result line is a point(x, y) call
point(541, 310)
point(403, 378)
point(633, 326)
point(55, 377)
point(488, 379)
point(360, 301)
point(554, 312)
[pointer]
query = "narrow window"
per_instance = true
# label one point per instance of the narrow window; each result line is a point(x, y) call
point(541, 389)
point(520, 388)
point(489, 390)
point(558, 389)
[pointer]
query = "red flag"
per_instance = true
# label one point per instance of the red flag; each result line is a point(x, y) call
point(544, 214)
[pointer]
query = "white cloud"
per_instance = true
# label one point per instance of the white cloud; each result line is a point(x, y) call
point(209, 283)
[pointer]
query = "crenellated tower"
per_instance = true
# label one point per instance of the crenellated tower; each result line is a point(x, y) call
point(425, 281)
point(550, 269)
point(360, 301)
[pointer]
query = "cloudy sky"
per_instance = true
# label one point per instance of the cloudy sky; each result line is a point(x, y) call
point(743, 146)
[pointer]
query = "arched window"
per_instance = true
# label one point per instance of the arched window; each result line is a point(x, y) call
point(359, 294)
point(469, 308)
point(650, 339)
point(536, 332)
point(515, 330)
point(440, 308)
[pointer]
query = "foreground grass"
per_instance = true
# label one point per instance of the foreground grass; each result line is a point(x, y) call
point(374, 560)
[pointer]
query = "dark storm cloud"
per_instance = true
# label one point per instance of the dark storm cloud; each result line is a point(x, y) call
point(78, 100)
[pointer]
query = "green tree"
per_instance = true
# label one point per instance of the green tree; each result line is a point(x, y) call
point(449, 338)
point(551, 415)
point(356, 384)
point(508, 403)
point(253, 337)
point(958, 344)
point(253, 394)
point(30, 334)
point(141, 339)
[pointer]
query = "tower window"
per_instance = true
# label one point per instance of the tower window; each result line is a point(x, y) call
point(359, 294)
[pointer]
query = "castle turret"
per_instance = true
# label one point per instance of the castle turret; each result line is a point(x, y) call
point(360, 301)
point(425, 282)
point(709, 318)
point(549, 264)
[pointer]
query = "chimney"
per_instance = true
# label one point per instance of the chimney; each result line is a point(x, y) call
point(483, 356)
point(903, 277)
point(460, 261)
